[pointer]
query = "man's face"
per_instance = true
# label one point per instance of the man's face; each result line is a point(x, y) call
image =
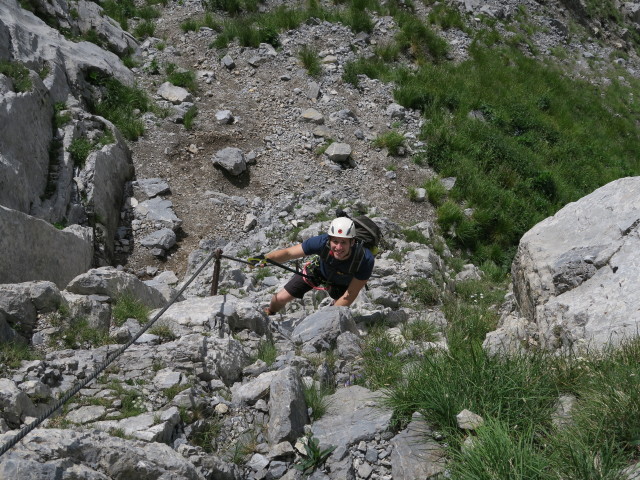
point(341, 247)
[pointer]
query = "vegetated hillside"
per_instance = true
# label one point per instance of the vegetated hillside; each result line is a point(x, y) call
point(528, 105)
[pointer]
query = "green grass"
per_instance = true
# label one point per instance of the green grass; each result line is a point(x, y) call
point(416, 236)
point(131, 400)
point(121, 104)
point(77, 333)
point(189, 117)
point(424, 292)
point(18, 73)
point(182, 78)
point(436, 192)
point(315, 397)
point(80, 149)
point(144, 29)
point(207, 432)
point(541, 143)
point(267, 352)
point(123, 10)
point(12, 354)
point(420, 330)
point(127, 306)
point(164, 332)
point(393, 141)
point(310, 60)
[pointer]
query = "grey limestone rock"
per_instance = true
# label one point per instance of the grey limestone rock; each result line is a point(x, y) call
point(163, 239)
point(54, 453)
point(338, 152)
point(287, 407)
point(145, 188)
point(174, 94)
point(321, 329)
point(112, 282)
point(31, 242)
point(230, 159)
point(158, 211)
point(357, 407)
point(578, 289)
point(312, 115)
point(415, 454)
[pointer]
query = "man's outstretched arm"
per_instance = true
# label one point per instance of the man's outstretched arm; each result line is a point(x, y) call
point(352, 293)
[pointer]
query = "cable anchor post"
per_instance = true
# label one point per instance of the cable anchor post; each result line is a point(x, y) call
point(216, 272)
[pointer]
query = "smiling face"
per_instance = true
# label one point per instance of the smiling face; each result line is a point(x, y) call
point(340, 247)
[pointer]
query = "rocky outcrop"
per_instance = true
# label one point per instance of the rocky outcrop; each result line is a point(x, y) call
point(38, 177)
point(575, 276)
point(28, 243)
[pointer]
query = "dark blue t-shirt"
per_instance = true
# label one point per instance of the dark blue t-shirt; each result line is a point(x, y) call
point(337, 271)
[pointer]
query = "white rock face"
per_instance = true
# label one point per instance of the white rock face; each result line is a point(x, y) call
point(576, 275)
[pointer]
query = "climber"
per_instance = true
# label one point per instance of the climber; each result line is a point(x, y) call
point(342, 266)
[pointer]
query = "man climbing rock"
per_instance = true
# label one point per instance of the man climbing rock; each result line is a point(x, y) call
point(342, 266)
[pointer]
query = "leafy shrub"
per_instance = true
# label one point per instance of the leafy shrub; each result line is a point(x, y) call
point(315, 456)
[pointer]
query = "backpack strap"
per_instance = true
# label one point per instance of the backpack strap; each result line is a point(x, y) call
point(357, 257)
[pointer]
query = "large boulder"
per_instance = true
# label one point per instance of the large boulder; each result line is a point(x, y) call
point(576, 275)
point(112, 282)
point(35, 250)
point(55, 453)
point(321, 329)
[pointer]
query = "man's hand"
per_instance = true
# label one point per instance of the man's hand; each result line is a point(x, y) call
point(257, 261)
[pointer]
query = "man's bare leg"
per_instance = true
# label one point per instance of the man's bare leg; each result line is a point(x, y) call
point(278, 301)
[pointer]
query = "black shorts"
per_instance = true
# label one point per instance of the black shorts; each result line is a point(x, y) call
point(297, 287)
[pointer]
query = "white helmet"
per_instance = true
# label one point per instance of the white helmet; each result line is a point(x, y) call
point(342, 227)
